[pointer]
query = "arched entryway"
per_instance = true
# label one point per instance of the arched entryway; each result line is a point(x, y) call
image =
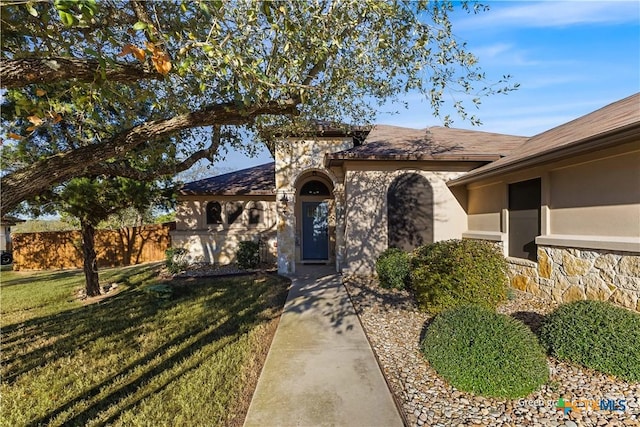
point(315, 225)
point(409, 212)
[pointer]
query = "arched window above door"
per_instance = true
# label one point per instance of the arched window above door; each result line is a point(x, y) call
point(314, 188)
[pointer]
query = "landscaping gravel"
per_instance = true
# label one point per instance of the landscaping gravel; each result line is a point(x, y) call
point(394, 326)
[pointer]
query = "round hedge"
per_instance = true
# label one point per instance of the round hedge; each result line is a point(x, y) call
point(595, 334)
point(490, 354)
point(393, 267)
point(453, 273)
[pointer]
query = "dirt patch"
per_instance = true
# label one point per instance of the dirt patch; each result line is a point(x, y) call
point(107, 291)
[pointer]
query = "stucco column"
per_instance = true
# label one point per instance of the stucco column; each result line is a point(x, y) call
point(285, 200)
point(339, 197)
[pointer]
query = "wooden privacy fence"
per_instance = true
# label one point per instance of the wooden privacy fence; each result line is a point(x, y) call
point(63, 249)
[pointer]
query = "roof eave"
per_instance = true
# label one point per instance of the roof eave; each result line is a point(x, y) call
point(227, 193)
point(595, 142)
point(333, 160)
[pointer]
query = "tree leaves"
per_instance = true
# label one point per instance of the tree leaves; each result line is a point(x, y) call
point(335, 60)
point(140, 26)
point(137, 52)
point(160, 59)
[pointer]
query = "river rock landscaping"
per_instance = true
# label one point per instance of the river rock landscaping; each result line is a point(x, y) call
point(395, 327)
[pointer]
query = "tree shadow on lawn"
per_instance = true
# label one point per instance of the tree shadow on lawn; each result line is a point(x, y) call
point(231, 309)
point(109, 311)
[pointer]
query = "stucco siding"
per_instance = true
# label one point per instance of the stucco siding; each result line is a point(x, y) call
point(485, 205)
point(220, 247)
point(189, 215)
point(600, 197)
point(218, 243)
point(366, 233)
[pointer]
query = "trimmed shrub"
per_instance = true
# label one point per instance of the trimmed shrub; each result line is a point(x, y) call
point(595, 334)
point(248, 255)
point(177, 259)
point(393, 267)
point(453, 273)
point(490, 354)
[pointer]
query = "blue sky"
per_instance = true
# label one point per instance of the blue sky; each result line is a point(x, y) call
point(570, 58)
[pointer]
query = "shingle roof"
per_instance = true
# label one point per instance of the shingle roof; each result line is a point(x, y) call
point(435, 143)
point(258, 180)
point(584, 133)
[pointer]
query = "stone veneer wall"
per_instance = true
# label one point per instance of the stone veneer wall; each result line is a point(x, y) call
point(567, 274)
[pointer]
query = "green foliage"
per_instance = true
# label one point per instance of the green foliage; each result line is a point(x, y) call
point(40, 225)
point(393, 267)
point(244, 57)
point(248, 255)
point(486, 353)
point(177, 260)
point(128, 361)
point(595, 334)
point(457, 272)
point(92, 200)
point(165, 217)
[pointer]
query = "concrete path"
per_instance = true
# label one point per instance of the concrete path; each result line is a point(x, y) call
point(320, 370)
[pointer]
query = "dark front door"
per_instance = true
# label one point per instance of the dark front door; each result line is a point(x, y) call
point(315, 231)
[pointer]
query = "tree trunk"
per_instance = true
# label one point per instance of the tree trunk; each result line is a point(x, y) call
point(90, 264)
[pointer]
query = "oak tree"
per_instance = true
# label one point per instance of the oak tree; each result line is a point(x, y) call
point(85, 82)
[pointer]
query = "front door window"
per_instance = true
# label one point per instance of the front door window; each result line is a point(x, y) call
point(315, 231)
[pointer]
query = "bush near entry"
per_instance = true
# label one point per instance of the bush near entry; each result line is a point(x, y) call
point(490, 354)
point(248, 255)
point(595, 334)
point(177, 259)
point(452, 273)
point(393, 267)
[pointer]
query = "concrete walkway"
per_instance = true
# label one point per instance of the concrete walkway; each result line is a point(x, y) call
point(320, 370)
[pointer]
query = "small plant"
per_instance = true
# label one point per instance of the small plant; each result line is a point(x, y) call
point(595, 334)
point(177, 259)
point(161, 291)
point(458, 272)
point(248, 255)
point(393, 267)
point(483, 352)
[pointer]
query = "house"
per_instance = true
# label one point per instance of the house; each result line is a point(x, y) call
point(327, 194)
point(564, 205)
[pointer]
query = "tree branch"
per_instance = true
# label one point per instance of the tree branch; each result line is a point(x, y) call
point(124, 170)
point(16, 73)
point(42, 175)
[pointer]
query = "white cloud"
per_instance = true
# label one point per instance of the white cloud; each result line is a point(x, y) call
point(553, 14)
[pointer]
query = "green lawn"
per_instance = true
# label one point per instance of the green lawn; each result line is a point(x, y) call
point(133, 358)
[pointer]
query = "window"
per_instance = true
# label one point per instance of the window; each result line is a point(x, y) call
point(314, 188)
point(214, 213)
point(234, 211)
point(524, 219)
point(409, 212)
point(256, 213)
